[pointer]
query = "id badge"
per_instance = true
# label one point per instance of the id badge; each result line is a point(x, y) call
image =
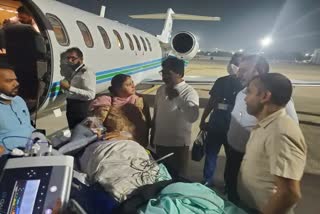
point(223, 106)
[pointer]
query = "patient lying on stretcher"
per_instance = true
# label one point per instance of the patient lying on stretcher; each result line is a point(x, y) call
point(88, 131)
point(114, 160)
point(124, 169)
point(120, 166)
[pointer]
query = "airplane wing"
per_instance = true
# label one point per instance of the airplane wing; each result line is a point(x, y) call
point(304, 83)
point(191, 80)
point(176, 16)
point(209, 80)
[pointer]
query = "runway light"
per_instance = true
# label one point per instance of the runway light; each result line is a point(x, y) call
point(240, 50)
point(306, 54)
point(265, 42)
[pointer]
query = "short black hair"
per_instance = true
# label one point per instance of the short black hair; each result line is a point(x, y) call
point(279, 86)
point(24, 10)
point(174, 64)
point(261, 64)
point(117, 82)
point(236, 59)
point(5, 65)
point(77, 50)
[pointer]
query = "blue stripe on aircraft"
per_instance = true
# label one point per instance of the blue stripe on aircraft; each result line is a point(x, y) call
point(126, 67)
point(132, 72)
point(57, 84)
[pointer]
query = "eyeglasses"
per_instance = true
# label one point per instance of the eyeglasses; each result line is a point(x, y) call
point(72, 58)
point(165, 72)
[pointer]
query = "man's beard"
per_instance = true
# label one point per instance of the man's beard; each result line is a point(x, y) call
point(254, 110)
point(27, 22)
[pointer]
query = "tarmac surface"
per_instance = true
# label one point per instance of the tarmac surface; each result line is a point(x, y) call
point(307, 103)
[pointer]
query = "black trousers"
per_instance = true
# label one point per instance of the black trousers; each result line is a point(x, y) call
point(77, 110)
point(177, 163)
point(233, 164)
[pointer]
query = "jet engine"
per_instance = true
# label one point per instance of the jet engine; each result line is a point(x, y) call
point(184, 45)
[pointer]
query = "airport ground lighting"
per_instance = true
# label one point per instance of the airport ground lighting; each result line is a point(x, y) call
point(266, 41)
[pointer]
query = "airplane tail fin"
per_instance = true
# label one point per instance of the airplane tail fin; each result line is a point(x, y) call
point(169, 17)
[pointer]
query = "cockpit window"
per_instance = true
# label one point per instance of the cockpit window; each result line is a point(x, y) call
point(59, 30)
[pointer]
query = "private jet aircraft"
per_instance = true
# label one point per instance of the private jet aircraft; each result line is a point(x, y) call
point(109, 48)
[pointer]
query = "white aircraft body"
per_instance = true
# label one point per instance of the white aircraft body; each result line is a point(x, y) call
point(109, 47)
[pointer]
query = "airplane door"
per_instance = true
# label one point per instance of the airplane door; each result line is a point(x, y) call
point(25, 49)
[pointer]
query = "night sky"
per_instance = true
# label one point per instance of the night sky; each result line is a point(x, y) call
point(293, 24)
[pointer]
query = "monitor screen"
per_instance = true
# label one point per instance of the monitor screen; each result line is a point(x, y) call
point(23, 196)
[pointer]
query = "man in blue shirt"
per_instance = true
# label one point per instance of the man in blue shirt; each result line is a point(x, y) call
point(15, 124)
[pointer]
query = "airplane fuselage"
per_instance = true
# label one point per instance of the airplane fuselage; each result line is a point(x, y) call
point(105, 60)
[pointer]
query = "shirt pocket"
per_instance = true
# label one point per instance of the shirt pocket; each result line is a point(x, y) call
point(77, 80)
point(24, 116)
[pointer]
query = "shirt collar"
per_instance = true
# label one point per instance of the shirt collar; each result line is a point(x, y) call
point(266, 121)
point(82, 66)
point(179, 85)
point(4, 103)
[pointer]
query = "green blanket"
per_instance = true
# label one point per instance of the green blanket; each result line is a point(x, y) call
point(185, 198)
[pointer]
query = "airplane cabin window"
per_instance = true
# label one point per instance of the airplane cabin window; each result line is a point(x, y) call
point(149, 44)
point(59, 30)
point(119, 39)
point(105, 37)
point(144, 44)
point(137, 41)
point(85, 34)
point(130, 41)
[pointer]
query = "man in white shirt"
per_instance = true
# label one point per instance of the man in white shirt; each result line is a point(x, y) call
point(176, 108)
point(275, 157)
point(242, 123)
point(80, 84)
point(24, 17)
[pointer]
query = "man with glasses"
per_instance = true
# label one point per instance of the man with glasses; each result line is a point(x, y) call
point(176, 108)
point(80, 85)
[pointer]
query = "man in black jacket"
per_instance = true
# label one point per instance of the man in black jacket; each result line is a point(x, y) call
point(221, 102)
